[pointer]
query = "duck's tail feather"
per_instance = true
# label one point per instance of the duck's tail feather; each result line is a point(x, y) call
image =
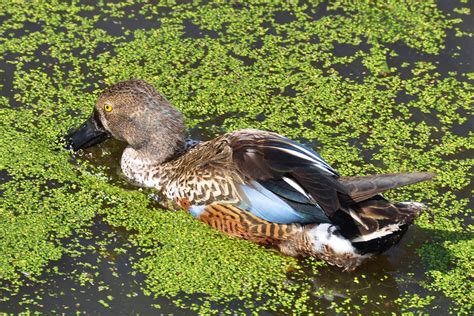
point(364, 187)
point(377, 224)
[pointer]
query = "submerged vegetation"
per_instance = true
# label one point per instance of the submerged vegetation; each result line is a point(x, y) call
point(381, 87)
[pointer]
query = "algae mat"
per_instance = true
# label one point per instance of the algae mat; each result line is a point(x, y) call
point(384, 86)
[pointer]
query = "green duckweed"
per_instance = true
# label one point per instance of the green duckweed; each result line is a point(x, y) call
point(373, 86)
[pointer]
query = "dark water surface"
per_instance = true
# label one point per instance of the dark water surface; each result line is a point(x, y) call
point(116, 288)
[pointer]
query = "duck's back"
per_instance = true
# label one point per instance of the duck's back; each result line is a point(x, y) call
point(222, 170)
point(283, 182)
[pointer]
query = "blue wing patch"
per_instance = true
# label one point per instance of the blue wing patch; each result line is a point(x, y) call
point(265, 204)
point(196, 210)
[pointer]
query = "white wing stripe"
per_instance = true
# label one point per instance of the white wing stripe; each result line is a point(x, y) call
point(313, 155)
point(318, 163)
point(305, 150)
point(308, 152)
point(297, 187)
point(288, 142)
point(295, 153)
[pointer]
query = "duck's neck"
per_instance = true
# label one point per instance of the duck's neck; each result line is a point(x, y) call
point(146, 167)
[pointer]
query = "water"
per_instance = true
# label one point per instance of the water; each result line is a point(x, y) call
point(119, 286)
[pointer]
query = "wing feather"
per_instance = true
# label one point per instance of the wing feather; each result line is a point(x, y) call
point(278, 180)
point(365, 187)
point(270, 158)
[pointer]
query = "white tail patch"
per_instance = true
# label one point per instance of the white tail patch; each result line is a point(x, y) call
point(414, 205)
point(384, 231)
point(327, 235)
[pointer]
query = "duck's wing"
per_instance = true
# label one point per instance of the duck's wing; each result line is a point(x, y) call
point(361, 188)
point(272, 177)
point(280, 169)
point(224, 171)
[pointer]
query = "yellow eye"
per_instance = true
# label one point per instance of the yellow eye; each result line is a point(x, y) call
point(107, 107)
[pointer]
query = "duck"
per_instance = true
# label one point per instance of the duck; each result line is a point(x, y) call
point(251, 184)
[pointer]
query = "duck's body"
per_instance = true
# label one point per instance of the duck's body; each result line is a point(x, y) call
point(257, 185)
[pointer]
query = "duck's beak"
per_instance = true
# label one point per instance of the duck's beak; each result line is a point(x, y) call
point(91, 133)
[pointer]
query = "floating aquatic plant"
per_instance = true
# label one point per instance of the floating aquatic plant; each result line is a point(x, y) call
point(375, 87)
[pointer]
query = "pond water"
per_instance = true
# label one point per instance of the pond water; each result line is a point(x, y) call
point(384, 101)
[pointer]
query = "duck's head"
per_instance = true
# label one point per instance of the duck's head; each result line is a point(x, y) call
point(134, 112)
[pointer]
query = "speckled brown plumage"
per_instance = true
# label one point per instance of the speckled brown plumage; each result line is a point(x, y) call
point(251, 184)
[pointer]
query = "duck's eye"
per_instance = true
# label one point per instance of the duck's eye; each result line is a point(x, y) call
point(107, 107)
